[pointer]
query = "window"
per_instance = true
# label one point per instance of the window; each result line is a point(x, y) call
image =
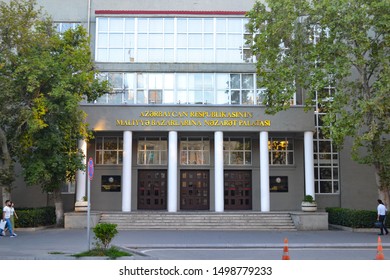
point(64, 26)
point(281, 151)
point(181, 88)
point(152, 151)
point(237, 151)
point(68, 187)
point(172, 40)
point(194, 150)
point(326, 157)
point(109, 150)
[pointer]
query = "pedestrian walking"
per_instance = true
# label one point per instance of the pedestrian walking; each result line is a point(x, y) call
point(13, 215)
point(381, 209)
point(7, 217)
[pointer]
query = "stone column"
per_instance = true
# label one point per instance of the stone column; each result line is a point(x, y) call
point(264, 173)
point(309, 164)
point(218, 165)
point(126, 170)
point(81, 180)
point(172, 171)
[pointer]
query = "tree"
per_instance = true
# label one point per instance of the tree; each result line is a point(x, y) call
point(307, 46)
point(51, 76)
point(15, 37)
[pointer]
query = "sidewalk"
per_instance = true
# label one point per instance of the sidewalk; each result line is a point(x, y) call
point(61, 243)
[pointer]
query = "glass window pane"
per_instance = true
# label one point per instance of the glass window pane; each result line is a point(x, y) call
point(181, 81)
point(182, 25)
point(168, 81)
point(141, 97)
point(220, 55)
point(234, 25)
point(142, 40)
point(142, 25)
point(222, 97)
point(182, 40)
point(168, 25)
point(247, 81)
point(168, 97)
point(195, 25)
point(116, 80)
point(168, 40)
point(116, 55)
point(222, 81)
point(208, 55)
point(182, 55)
point(129, 25)
point(196, 40)
point(221, 25)
point(233, 55)
point(169, 55)
point(156, 41)
point(221, 41)
point(208, 41)
point(235, 41)
point(116, 40)
point(235, 81)
point(156, 25)
point(208, 25)
point(102, 24)
point(129, 41)
point(142, 55)
point(155, 55)
point(103, 40)
point(116, 24)
point(247, 97)
point(102, 55)
point(99, 143)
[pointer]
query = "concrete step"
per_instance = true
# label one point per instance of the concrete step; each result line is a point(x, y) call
point(199, 221)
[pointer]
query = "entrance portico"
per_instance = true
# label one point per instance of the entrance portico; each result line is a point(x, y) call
point(206, 183)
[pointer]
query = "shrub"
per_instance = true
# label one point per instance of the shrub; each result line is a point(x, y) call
point(352, 218)
point(35, 217)
point(104, 233)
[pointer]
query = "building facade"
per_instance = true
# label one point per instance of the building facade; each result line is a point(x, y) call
point(185, 126)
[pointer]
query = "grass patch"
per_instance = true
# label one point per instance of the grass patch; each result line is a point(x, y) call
point(111, 253)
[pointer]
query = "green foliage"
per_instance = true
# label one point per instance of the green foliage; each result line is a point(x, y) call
point(308, 198)
point(111, 253)
point(104, 233)
point(352, 218)
point(35, 217)
point(308, 47)
point(44, 76)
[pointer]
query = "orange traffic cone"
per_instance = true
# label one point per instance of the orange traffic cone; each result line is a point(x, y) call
point(379, 251)
point(285, 256)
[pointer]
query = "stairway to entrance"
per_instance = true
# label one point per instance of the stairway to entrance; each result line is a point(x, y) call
point(275, 221)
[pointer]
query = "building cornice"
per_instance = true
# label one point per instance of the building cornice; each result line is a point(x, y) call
point(168, 12)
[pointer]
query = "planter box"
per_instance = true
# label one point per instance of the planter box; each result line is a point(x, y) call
point(81, 206)
point(309, 206)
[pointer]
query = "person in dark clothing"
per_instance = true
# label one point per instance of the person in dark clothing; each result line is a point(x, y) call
point(381, 209)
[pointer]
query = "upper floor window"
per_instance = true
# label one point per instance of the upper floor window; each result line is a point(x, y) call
point(281, 151)
point(237, 151)
point(152, 151)
point(182, 88)
point(172, 40)
point(63, 26)
point(194, 150)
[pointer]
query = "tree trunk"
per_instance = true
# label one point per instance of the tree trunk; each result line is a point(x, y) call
point(6, 194)
point(7, 168)
point(59, 206)
point(383, 191)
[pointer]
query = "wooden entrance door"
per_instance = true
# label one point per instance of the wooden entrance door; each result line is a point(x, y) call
point(194, 190)
point(152, 189)
point(238, 189)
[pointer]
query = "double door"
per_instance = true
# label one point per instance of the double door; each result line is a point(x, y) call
point(194, 190)
point(238, 189)
point(152, 189)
